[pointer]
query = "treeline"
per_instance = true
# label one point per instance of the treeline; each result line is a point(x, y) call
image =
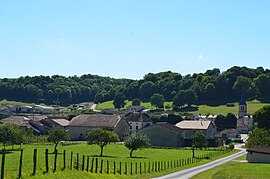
point(211, 87)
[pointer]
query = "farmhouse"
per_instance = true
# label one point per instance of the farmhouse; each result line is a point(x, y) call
point(80, 125)
point(53, 122)
point(138, 120)
point(164, 134)
point(258, 155)
point(191, 127)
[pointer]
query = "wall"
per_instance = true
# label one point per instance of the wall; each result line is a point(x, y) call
point(254, 157)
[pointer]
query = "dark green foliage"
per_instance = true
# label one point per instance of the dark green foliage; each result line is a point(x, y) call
point(101, 137)
point(262, 117)
point(136, 102)
point(259, 138)
point(228, 122)
point(157, 100)
point(136, 141)
point(211, 86)
point(12, 134)
point(119, 100)
point(199, 140)
point(57, 135)
point(171, 118)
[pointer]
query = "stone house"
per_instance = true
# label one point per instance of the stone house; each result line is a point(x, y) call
point(164, 135)
point(138, 121)
point(191, 127)
point(258, 155)
point(80, 125)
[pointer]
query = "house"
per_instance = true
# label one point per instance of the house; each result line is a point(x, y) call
point(21, 109)
point(135, 108)
point(164, 135)
point(21, 121)
point(54, 122)
point(227, 133)
point(43, 109)
point(191, 127)
point(258, 155)
point(138, 121)
point(80, 125)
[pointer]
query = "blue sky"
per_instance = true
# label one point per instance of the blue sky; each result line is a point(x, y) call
point(130, 38)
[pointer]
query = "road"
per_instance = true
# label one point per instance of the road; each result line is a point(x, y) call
point(93, 108)
point(188, 173)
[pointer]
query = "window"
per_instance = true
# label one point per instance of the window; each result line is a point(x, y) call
point(137, 127)
point(130, 127)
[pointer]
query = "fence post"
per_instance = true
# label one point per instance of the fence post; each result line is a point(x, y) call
point(77, 162)
point(140, 168)
point(35, 162)
point(120, 168)
point(107, 166)
point(64, 159)
point(131, 168)
point(55, 160)
point(149, 167)
point(87, 164)
point(71, 156)
point(101, 165)
point(114, 168)
point(96, 170)
point(92, 165)
point(47, 160)
point(3, 164)
point(126, 168)
point(20, 166)
point(83, 163)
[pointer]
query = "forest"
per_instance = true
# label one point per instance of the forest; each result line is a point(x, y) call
point(212, 87)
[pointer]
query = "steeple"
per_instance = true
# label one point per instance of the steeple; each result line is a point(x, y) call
point(242, 112)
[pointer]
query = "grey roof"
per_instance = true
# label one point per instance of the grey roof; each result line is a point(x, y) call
point(137, 117)
point(169, 126)
point(95, 120)
point(16, 120)
point(264, 150)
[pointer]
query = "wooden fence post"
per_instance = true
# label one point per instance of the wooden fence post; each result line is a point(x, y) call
point(35, 162)
point(101, 166)
point(140, 168)
point(120, 168)
point(83, 163)
point(71, 157)
point(108, 167)
point(64, 159)
point(77, 162)
point(96, 170)
point(92, 165)
point(47, 160)
point(149, 167)
point(55, 160)
point(87, 164)
point(126, 168)
point(20, 166)
point(3, 164)
point(114, 168)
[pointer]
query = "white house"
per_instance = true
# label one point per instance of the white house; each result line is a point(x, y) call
point(43, 109)
point(258, 155)
point(138, 121)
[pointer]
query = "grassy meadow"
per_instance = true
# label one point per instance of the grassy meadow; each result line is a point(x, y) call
point(253, 106)
point(113, 152)
point(238, 168)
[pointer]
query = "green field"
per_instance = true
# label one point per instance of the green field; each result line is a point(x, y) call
point(237, 169)
point(113, 152)
point(253, 106)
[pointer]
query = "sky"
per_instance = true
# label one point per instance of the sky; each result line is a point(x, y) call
point(130, 38)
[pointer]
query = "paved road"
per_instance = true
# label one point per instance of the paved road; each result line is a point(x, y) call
point(93, 107)
point(188, 173)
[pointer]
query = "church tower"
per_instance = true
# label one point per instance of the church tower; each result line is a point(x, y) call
point(242, 107)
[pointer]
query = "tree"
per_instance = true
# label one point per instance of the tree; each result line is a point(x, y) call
point(262, 117)
point(136, 141)
point(259, 138)
point(231, 121)
point(199, 140)
point(101, 137)
point(57, 135)
point(157, 100)
point(242, 85)
point(12, 134)
point(136, 102)
point(179, 99)
point(119, 100)
point(219, 122)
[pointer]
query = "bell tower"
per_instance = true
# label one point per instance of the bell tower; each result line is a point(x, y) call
point(242, 112)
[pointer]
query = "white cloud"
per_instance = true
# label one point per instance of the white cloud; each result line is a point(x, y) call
point(200, 56)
